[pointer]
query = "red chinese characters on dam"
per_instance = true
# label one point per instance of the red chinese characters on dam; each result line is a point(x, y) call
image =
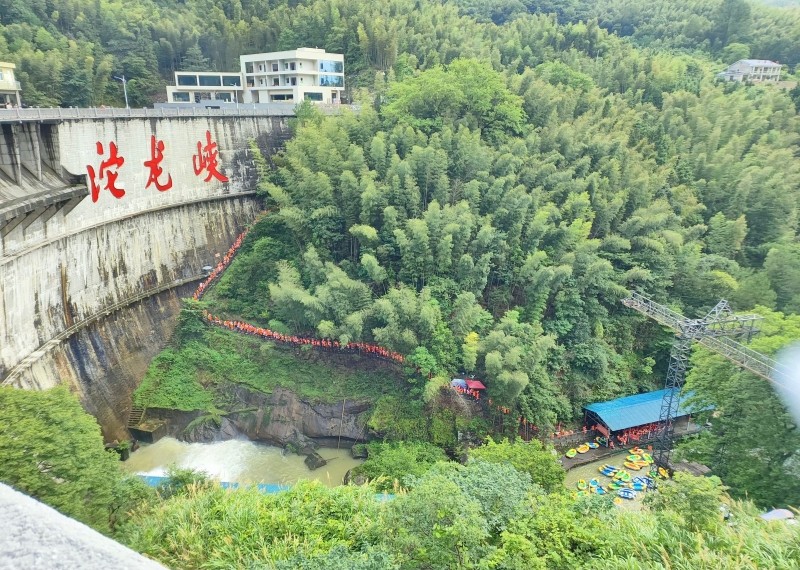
point(154, 165)
point(206, 160)
point(107, 172)
point(104, 173)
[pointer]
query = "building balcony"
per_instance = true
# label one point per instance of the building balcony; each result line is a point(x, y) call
point(10, 86)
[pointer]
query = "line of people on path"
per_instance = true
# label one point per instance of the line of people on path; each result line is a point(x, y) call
point(221, 266)
point(365, 348)
point(475, 394)
point(324, 343)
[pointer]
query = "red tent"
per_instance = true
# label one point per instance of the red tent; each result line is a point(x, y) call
point(475, 385)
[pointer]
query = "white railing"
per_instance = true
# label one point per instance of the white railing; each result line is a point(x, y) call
point(229, 110)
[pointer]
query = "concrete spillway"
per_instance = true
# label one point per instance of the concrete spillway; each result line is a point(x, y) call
point(104, 224)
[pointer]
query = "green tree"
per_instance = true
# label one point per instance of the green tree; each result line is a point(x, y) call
point(733, 21)
point(531, 458)
point(390, 464)
point(53, 451)
point(436, 526)
point(194, 60)
point(696, 499)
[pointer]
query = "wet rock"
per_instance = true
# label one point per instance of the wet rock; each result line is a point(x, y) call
point(314, 461)
point(351, 478)
point(359, 451)
point(283, 417)
point(228, 430)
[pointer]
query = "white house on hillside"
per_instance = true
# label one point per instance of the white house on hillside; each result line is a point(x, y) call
point(277, 77)
point(9, 86)
point(292, 76)
point(754, 70)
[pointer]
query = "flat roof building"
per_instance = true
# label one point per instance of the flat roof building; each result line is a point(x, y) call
point(755, 70)
point(197, 86)
point(293, 76)
point(275, 77)
point(9, 87)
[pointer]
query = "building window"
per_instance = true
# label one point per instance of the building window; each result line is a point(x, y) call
point(293, 81)
point(293, 66)
point(231, 81)
point(282, 98)
point(187, 80)
point(274, 67)
point(1, 74)
point(331, 66)
point(276, 82)
point(210, 80)
point(311, 96)
point(248, 67)
point(260, 67)
point(331, 81)
point(180, 97)
point(261, 81)
point(224, 97)
point(286, 66)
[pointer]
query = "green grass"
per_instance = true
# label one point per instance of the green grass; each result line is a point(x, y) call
point(192, 377)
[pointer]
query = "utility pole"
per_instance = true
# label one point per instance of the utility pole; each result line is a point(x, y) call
point(715, 331)
point(124, 89)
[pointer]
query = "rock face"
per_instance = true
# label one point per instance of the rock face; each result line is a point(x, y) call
point(281, 418)
point(211, 432)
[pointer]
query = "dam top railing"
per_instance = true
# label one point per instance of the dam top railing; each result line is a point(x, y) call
point(29, 114)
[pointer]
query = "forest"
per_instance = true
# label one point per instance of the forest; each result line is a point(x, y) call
point(68, 51)
point(516, 168)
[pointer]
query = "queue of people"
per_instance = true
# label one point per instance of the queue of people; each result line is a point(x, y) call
point(324, 343)
point(221, 266)
point(365, 348)
point(474, 394)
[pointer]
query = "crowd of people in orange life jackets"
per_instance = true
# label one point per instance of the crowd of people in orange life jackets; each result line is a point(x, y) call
point(246, 328)
point(366, 348)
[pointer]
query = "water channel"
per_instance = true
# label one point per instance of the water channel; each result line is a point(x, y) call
point(240, 461)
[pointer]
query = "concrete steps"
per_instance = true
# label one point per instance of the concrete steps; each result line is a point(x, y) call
point(136, 416)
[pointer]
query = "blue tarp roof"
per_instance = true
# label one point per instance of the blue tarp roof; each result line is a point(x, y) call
point(637, 410)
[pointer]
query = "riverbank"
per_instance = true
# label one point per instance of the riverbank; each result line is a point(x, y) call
point(240, 461)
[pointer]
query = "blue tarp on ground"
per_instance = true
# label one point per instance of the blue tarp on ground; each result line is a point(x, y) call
point(624, 413)
point(155, 481)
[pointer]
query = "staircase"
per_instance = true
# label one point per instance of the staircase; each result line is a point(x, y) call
point(135, 417)
point(137, 412)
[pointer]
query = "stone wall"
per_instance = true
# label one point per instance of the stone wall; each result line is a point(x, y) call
point(80, 268)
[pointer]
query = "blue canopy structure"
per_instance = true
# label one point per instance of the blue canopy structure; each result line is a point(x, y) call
point(459, 383)
point(637, 410)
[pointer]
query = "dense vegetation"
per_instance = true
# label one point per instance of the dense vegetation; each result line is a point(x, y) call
point(509, 178)
point(505, 508)
point(68, 51)
point(483, 515)
point(507, 187)
point(52, 450)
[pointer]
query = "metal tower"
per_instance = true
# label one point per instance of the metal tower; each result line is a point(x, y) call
point(714, 331)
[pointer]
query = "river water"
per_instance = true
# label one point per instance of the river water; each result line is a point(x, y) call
point(239, 461)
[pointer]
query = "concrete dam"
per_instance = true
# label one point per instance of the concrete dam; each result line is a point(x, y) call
point(107, 218)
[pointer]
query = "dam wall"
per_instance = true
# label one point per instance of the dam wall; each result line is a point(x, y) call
point(104, 224)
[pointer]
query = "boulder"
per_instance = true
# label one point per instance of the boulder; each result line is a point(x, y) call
point(359, 451)
point(314, 461)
